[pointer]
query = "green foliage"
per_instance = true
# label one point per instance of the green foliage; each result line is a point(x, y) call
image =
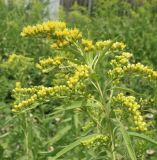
point(134, 23)
point(15, 66)
point(11, 72)
point(77, 16)
point(13, 18)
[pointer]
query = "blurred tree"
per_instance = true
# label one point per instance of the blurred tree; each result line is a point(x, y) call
point(53, 9)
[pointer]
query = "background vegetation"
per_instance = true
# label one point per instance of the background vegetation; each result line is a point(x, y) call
point(134, 23)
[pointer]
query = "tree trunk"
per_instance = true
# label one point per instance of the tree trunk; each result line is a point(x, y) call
point(89, 6)
point(53, 9)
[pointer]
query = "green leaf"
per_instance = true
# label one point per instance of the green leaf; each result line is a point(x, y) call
point(75, 104)
point(127, 141)
point(59, 135)
point(70, 147)
point(142, 136)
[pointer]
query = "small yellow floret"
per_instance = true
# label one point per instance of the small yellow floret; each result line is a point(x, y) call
point(87, 44)
point(118, 45)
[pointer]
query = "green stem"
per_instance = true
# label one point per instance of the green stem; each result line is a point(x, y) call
point(100, 91)
point(26, 136)
point(113, 147)
point(79, 49)
point(107, 108)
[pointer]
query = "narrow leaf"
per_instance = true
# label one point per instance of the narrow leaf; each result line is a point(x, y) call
point(127, 142)
point(74, 105)
point(142, 136)
point(59, 135)
point(70, 147)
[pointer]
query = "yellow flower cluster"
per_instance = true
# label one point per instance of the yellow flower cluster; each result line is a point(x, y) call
point(118, 45)
point(40, 93)
point(102, 44)
point(46, 91)
point(141, 69)
point(65, 37)
point(135, 69)
point(87, 44)
point(133, 107)
point(149, 101)
point(70, 34)
point(62, 36)
point(49, 61)
point(124, 58)
point(46, 27)
point(96, 140)
point(82, 71)
point(25, 103)
point(12, 57)
point(87, 126)
point(59, 44)
point(34, 89)
point(61, 33)
point(116, 71)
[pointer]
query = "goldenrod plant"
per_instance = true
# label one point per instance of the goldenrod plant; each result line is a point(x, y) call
point(85, 99)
